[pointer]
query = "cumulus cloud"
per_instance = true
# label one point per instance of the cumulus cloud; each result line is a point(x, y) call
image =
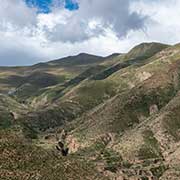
point(163, 24)
point(96, 26)
point(104, 15)
point(16, 13)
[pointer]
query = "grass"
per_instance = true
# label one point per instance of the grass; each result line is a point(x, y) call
point(150, 149)
point(93, 150)
point(83, 92)
point(172, 123)
point(5, 120)
point(146, 50)
point(49, 94)
point(51, 117)
point(158, 171)
point(100, 153)
point(125, 111)
point(28, 131)
point(95, 93)
point(19, 160)
point(113, 160)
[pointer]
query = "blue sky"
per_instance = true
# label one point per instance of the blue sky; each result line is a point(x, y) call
point(44, 6)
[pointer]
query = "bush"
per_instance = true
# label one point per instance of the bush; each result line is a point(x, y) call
point(29, 132)
point(150, 149)
point(5, 120)
point(113, 160)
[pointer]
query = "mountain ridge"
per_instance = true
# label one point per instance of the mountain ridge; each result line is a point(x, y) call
point(120, 115)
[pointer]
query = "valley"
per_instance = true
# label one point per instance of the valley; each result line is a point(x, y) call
point(118, 116)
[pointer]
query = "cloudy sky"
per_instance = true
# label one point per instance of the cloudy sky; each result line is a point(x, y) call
point(39, 30)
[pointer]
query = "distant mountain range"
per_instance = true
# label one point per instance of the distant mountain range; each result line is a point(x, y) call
point(121, 115)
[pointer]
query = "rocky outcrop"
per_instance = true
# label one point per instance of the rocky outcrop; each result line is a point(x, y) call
point(153, 109)
point(61, 147)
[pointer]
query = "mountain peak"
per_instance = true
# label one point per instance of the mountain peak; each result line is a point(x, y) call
point(146, 50)
point(84, 54)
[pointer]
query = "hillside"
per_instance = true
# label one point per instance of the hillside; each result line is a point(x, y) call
point(120, 114)
point(24, 82)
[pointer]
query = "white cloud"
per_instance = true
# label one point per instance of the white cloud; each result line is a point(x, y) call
point(163, 24)
point(17, 13)
point(99, 27)
point(75, 25)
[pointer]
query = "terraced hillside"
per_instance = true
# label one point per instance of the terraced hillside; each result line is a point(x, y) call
point(119, 116)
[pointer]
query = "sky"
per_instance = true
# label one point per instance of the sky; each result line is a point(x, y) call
point(33, 31)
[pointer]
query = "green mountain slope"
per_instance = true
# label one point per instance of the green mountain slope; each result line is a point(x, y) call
point(120, 116)
point(145, 50)
point(21, 160)
point(25, 82)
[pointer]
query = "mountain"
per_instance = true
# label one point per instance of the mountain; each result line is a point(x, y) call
point(24, 82)
point(145, 50)
point(80, 59)
point(118, 115)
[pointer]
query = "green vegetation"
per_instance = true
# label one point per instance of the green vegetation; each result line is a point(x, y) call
point(172, 123)
point(158, 171)
point(50, 117)
point(29, 132)
point(146, 50)
point(113, 160)
point(94, 150)
point(150, 149)
point(104, 104)
point(5, 120)
point(95, 93)
point(20, 159)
